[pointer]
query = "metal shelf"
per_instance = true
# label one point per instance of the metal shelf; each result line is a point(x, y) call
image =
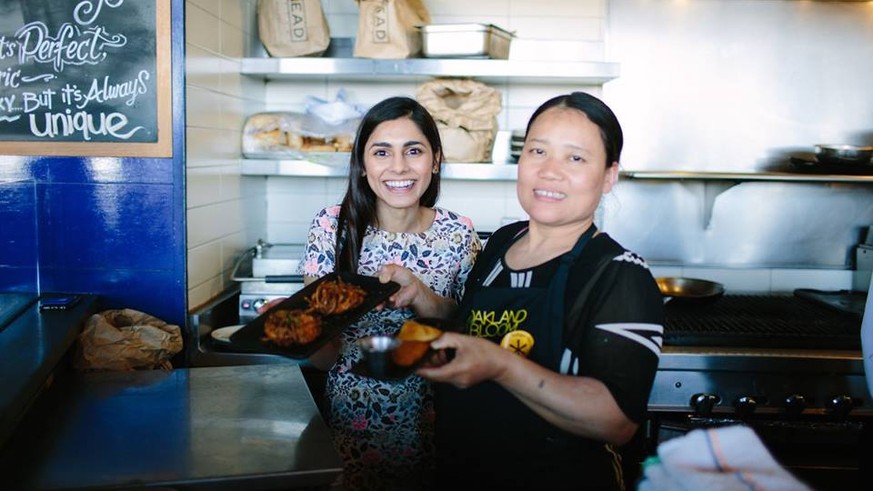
point(305, 168)
point(594, 73)
point(746, 176)
point(509, 172)
point(716, 183)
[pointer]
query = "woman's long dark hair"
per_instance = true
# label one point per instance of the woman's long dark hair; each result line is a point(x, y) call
point(598, 113)
point(358, 208)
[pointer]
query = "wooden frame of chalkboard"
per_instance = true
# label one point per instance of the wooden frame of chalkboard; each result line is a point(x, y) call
point(86, 78)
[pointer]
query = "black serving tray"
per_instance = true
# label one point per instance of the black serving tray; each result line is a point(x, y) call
point(249, 338)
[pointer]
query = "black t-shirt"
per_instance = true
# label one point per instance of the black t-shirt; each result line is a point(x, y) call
point(613, 331)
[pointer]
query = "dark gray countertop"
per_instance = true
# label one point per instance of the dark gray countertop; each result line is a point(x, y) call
point(239, 427)
point(31, 346)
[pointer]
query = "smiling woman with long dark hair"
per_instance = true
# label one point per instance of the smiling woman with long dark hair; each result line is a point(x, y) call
point(384, 430)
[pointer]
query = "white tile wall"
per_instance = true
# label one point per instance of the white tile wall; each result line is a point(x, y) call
point(293, 203)
point(226, 211)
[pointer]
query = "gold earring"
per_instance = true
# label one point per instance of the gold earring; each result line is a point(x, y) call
point(436, 170)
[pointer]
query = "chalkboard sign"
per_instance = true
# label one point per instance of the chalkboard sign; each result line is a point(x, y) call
point(85, 77)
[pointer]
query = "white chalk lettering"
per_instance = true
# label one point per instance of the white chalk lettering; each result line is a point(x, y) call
point(10, 78)
point(7, 103)
point(36, 100)
point(67, 123)
point(108, 91)
point(87, 11)
point(7, 48)
point(72, 45)
point(45, 77)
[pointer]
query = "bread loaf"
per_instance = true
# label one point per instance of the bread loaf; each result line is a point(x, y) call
point(286, 134)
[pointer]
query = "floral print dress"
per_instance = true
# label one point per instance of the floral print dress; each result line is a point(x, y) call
point(384, 429)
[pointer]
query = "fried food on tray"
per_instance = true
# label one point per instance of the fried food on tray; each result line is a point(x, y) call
point(336, 297)
point(415, 340)
point(289, 327)
point(412, 330)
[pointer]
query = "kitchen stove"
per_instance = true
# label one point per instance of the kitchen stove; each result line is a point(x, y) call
point(788, 366)
point(267, 272)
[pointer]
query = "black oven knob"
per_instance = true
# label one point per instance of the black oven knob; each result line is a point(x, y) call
point(745, 405)
point(839, 406)
point(795, 404)
point(703, 403)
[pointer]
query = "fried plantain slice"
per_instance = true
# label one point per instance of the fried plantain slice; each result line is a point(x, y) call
point(415, 340)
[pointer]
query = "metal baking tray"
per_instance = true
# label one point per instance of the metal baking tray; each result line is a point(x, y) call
point(465, 41)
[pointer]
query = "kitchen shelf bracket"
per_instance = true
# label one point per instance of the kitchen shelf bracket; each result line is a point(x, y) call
point(711, 191)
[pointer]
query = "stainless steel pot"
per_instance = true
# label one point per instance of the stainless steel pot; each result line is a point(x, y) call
point(843, 154)
point(691, 290)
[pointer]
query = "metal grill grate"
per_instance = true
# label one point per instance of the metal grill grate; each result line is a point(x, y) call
point(761, 321)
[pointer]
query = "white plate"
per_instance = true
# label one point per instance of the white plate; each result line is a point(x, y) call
point(223, 334)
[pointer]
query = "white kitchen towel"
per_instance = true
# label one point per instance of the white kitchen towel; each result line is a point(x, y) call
point(725, 459)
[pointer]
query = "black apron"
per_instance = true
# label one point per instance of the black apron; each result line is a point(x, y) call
point(485, 430)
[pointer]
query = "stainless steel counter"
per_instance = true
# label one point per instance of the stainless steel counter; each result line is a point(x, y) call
point(32, 344)
point(241, 427)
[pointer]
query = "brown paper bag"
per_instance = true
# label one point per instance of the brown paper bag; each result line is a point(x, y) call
point(291, 28)
point(126, 339)
point(388, 28)
point(466, 112)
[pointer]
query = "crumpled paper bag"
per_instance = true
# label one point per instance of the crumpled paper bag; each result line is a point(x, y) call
point(127, 339)
point(465, 111)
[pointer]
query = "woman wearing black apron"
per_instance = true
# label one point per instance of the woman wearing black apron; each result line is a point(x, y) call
point(563, 325)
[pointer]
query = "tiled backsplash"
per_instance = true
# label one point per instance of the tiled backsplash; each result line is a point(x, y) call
point(293, 203)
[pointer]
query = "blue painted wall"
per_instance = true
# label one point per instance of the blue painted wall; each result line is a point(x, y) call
point(114, 227)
